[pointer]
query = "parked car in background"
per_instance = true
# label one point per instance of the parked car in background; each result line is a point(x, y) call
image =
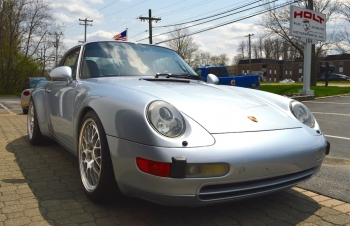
point(26, 95)
point(143, 123)
point(31, 81)
point(334, 77)
point(287, 81)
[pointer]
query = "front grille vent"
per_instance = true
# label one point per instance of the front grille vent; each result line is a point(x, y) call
point(252, 188)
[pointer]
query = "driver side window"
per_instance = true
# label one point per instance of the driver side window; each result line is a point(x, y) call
point(71, 61)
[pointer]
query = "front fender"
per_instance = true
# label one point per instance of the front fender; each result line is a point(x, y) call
point(38, 97)
point(122, 113)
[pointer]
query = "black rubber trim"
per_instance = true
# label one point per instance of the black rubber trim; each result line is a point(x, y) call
point(178, 167)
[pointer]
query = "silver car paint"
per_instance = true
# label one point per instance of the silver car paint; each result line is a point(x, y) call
point(121, 104)
point(250, 152)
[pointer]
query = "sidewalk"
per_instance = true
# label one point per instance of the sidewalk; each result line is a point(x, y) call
point(41, 186)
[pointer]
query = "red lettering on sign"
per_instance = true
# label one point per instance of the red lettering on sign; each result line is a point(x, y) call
point(321, 19)
point(308, 15)
point(298, 14)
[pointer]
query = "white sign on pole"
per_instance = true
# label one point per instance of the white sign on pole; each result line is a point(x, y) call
point(307, 23)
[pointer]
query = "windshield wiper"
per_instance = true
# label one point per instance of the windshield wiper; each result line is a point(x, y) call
point(182, 75)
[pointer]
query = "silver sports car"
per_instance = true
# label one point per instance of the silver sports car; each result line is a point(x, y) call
point(138, 117)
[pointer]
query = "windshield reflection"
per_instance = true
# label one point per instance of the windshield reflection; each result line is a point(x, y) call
point(106, 59)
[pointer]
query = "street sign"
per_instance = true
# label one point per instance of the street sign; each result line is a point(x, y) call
point(307, 23)
point(308, 40)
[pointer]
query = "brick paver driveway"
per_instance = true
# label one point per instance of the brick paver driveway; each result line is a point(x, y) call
point(41, 186)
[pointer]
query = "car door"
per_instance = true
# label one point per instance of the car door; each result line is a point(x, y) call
point(60, 97)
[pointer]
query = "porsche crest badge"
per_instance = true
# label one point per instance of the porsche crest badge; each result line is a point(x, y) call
point(253, 118)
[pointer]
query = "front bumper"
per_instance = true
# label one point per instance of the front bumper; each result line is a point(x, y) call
point(260, 163)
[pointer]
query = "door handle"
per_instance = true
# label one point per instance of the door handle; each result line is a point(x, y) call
point(48, 90)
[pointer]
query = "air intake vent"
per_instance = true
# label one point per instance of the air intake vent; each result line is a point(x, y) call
point(252, 188)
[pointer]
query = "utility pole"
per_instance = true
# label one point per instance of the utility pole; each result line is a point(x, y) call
point(313, 51)
point(150, 19)
point(56, 44)
point(250, 52)
point(85, 24)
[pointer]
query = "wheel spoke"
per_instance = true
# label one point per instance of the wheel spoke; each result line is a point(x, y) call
point(90, 155)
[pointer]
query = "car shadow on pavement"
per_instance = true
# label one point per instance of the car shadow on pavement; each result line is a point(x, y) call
point(50, 190)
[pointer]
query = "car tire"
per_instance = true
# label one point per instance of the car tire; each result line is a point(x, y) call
point(95, 165)
point(34, 135)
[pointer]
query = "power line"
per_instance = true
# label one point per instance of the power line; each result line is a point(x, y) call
point(167, 14)
point(187, 7)
point(233, 21)
point(210, 15)
point(212, 19)
point(113, 2)
point(206, 13)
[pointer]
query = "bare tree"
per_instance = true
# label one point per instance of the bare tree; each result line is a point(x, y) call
point(201, 59)
point(342, 44)
point(255, 50)
point(268, 48)
point(181, 43)
point(236, 59)
point(223, 59)
point(242, 49)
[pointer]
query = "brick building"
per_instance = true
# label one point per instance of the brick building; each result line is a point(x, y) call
point(277, 70)
point(268, 69)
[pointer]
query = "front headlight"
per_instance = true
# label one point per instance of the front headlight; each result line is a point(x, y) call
point(302, 113)
point(165, 119)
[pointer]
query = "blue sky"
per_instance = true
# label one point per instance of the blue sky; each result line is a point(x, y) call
point(114, 16)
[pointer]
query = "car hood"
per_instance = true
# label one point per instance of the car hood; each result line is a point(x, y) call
point(217, 108)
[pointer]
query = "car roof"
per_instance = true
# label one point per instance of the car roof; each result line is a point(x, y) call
point(138, 43)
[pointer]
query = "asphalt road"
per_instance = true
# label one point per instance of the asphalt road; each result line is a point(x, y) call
point(333, 115)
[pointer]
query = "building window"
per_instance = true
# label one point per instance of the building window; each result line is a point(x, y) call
point(341, 67)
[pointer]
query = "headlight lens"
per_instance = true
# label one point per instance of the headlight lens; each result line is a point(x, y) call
point(302, 113)
point(165, 119)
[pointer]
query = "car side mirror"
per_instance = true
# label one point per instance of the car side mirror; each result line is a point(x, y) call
point(212, 79)
point(62, 73)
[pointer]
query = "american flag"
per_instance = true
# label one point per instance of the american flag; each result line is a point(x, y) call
point(120, 36)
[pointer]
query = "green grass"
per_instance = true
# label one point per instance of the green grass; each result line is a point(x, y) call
point(10, 95)
point(320, 91)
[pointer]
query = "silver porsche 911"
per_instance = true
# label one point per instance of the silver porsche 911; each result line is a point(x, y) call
point(138, 117)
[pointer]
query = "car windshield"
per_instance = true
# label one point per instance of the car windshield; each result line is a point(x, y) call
point(105, 59)
point(34, 81)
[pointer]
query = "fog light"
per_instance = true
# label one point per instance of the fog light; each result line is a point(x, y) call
point(206, 169)
point(321, 153)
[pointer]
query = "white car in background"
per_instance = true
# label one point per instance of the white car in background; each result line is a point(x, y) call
point(26, 95)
